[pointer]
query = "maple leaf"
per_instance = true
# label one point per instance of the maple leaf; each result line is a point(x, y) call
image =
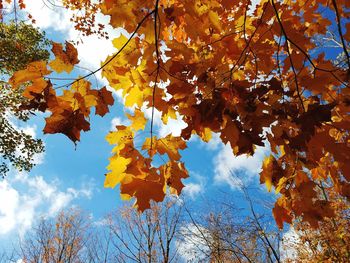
point(281, 214)
point(34, 70)
point(144, 191)
point(173, 173)
point(68, 122)
point(124, 135)
point(118, 166)
point(230, 132)
point(41, 96)
point(104, 99)
point(64, 59)
point(169, 145)
point(37, 87)
point(138, 121)
point(271, 172)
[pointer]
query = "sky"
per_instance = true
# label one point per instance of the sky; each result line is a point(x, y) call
point(67, 175)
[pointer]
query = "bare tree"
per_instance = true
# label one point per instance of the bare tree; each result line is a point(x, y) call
point(226, 233)
point(99, 246)
point(147, 237)
point(62, 239)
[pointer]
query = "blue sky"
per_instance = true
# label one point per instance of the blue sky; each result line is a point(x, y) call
point(69, 175)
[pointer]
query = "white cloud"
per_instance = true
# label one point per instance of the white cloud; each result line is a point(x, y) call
point(290, 241)
point(174, 126)
point(231, 169)
point(192, 189)
point(49, 17)
point(29, 197)
point(118, 121)
point(92, 50)
point(192, 246)
point(8, 208)
point(195, 187)
point(213, 145)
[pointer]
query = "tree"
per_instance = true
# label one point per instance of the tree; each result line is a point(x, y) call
point(146, 237)
point(62, 239)
point(123, 236)
point(251, 73)
point(225, 232)
point(329, 243)
point(20, 44)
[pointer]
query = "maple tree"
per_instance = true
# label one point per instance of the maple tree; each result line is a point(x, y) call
point(330, 242)
point(252, 73)
point(20, 44)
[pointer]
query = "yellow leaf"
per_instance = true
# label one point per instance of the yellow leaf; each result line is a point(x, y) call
point(281, 184)
point(59, 66)
point(122, 136)
point(169, 145)
point(125, 197)
point(206, 134)
point(119, 42)
point(117, 167)
point(215, 19)
point(138, 121)
point(135, 96)
point(266, 174)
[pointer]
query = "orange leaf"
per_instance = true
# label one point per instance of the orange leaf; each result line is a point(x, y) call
point(65, 59)
point(281, 214)
point(33, 71)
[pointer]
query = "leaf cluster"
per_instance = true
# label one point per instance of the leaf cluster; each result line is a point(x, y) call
point(252, 74)
point(20, 44)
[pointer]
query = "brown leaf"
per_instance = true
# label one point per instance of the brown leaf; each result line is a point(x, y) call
point(65, 59)
point(104, 99)
point(67, 122)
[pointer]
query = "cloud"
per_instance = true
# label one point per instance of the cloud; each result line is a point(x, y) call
point(174, 126)
point(289, 244)
point(233, 170)
point(8, 208)
point(213, 145)
point(192, 190)
point(195, 187)
point(49, 16)
point(118, 121)
point(192, 246)
point(29, 197)
point(92, 50)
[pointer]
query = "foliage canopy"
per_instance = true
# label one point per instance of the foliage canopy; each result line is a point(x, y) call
point(20, 44)
point(255, 74)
